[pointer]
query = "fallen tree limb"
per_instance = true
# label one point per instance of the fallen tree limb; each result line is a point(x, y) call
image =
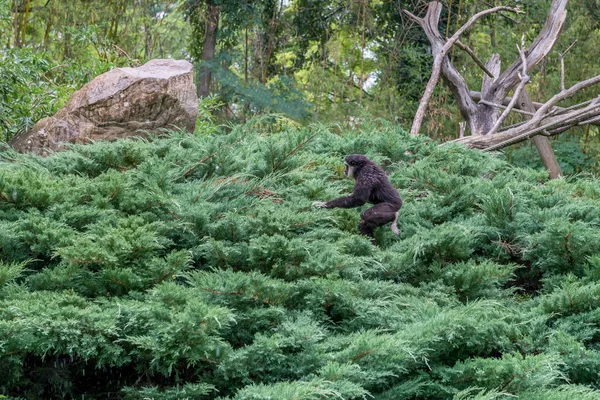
point(518, 111)
point(518, 134)
point(556, 110)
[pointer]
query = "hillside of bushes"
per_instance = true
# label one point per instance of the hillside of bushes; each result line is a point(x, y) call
point(195, 267)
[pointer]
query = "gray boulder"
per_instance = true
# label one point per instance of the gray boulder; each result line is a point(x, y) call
point(120, 103)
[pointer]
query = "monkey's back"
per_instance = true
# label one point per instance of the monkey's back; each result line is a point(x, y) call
point(382, 190)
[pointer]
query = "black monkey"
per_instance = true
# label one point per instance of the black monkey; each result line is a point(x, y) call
point(371, 185)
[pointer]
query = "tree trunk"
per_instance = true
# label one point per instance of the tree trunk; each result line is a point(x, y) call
point(208, 48)
point(51, 15)
point(270, 42)
point(541, 142)
point(483, 119)
point(147, 41)
point(16, 24)
point(67, 35)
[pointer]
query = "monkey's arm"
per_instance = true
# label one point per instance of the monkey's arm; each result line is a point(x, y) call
point(345, 202)
point(359, 196)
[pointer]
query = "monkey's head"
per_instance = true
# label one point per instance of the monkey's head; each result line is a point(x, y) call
point(354, 163)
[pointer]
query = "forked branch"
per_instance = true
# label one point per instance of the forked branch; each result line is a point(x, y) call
point(442, 53)
point(481, 117)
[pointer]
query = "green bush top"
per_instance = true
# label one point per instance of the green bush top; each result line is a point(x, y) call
point(194, 266)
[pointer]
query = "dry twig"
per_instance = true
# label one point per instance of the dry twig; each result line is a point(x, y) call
point(524, 81)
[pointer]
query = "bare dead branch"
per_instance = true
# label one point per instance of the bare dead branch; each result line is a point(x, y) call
point(514, 21)
point(524, 81)
point(442, 54)
point(471, 53)
point(560, 110)
point(476, 96)
point(505, 128)
point(564, 94)
point(462, 128)
point(568, 48)
point(413, 17)
point(530, 134)
point(590, 121)
point(407, 24)
point(540, 47)
point(562, 65)
point(454, 80)
point(489, 103)
point(562, 72)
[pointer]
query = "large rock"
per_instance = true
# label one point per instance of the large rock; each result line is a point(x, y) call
point(120, 103)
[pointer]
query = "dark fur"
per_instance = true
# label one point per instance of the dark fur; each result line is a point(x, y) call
point(371, 185)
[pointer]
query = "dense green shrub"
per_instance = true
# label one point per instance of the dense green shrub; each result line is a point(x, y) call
point(194, 266)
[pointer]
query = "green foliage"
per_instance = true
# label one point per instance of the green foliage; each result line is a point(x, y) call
point(10, 272)
point(513, 373)
point(34, 86)
point(279, 95)
point(469, 394)
point(194, 266)
point(311, 390)
point(188, 391)
point(21, 102)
